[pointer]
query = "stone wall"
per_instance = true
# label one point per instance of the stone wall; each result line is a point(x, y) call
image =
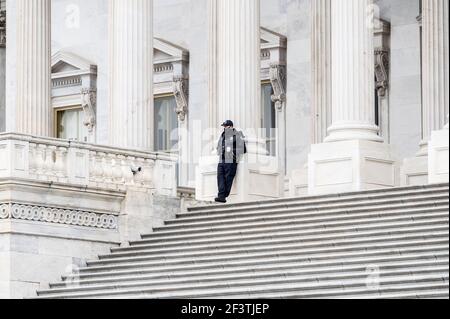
point(49, 228)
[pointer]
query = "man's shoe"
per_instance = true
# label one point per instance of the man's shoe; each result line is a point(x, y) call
point(220, 200)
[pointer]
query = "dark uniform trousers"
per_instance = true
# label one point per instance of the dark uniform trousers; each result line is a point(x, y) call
point(226, 173)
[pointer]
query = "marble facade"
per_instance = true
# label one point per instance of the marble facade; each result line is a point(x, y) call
point(81, 27)
point(113, 56)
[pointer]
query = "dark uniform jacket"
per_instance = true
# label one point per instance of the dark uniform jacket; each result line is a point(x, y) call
point(231, 146)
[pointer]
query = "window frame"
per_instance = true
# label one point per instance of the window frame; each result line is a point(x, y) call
point(159, 96)
point(62, 109)
point(272, 141)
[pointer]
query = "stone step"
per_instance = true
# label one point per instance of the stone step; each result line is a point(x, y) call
point(351, 196)
point(314, 207)
point(252, 257)
point(312, 217)
point(412, 241)
point(374, 234)
point(202, 276)
point(413, 291)
point(413, 254)
point(313, 235)
point(312, 247)
point(283, 212)
point(252, 286)
point(262, 229)
point(226, 233)
point(253, 253)
point(427, 294)
point(165, 285)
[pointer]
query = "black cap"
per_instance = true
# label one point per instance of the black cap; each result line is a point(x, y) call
point(228, 123)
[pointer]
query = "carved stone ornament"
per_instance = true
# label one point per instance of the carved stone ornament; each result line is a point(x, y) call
point(57, 216)
point(277, 74)
point(181, 93)
point(88, 102)
point(382, 71)
point(2, 28)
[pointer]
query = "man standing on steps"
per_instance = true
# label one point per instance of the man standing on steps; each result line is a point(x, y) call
point(230, 148)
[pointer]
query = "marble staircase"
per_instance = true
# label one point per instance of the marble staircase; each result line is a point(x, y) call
point(391, 243)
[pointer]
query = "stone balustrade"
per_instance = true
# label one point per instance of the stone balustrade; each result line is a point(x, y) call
point(87, 165)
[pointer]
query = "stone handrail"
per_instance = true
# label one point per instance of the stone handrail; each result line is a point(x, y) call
point(87, 165)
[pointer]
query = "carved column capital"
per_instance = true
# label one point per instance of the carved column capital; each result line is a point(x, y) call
point(277, 75)
point(181, 93)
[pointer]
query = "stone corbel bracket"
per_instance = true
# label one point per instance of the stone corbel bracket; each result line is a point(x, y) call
point(382, 34)
point(277, 74)
point(2, 28)
point(89, 104)
point(273, 64)
point(181, 93)
point(382, 71)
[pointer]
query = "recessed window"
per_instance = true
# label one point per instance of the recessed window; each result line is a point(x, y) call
point(377, 108)
point(268, 117)
point(69, 124)
point(166, 124)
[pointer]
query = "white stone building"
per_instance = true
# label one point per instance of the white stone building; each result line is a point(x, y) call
point(110, 111)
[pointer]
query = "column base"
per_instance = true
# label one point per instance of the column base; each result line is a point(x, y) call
point(438, 166)
point(351, 166)
point(298, 183)
point(258, 178)
point(142, 212)
point(414, 171)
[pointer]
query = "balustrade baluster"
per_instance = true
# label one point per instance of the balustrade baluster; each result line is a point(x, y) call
point(92, 165)
point(120, 173)
point(139, 176)
point(40, 161)
point(102, 169)
point(132, 163)
point(50, 163)
point(107, 170)
point(33, 160)
point(148, 173)
point(116, 169)
point(60, 164)
point(126, 171)
point(99, 175)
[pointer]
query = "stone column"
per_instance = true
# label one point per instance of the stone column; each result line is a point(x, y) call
point(353, 72)
point(321, 68)
point(33, 100)
point(425, 166)
point(353, 156)
point(435, 84)
point(131, 79)
point(435, 68)
point(238, 63)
